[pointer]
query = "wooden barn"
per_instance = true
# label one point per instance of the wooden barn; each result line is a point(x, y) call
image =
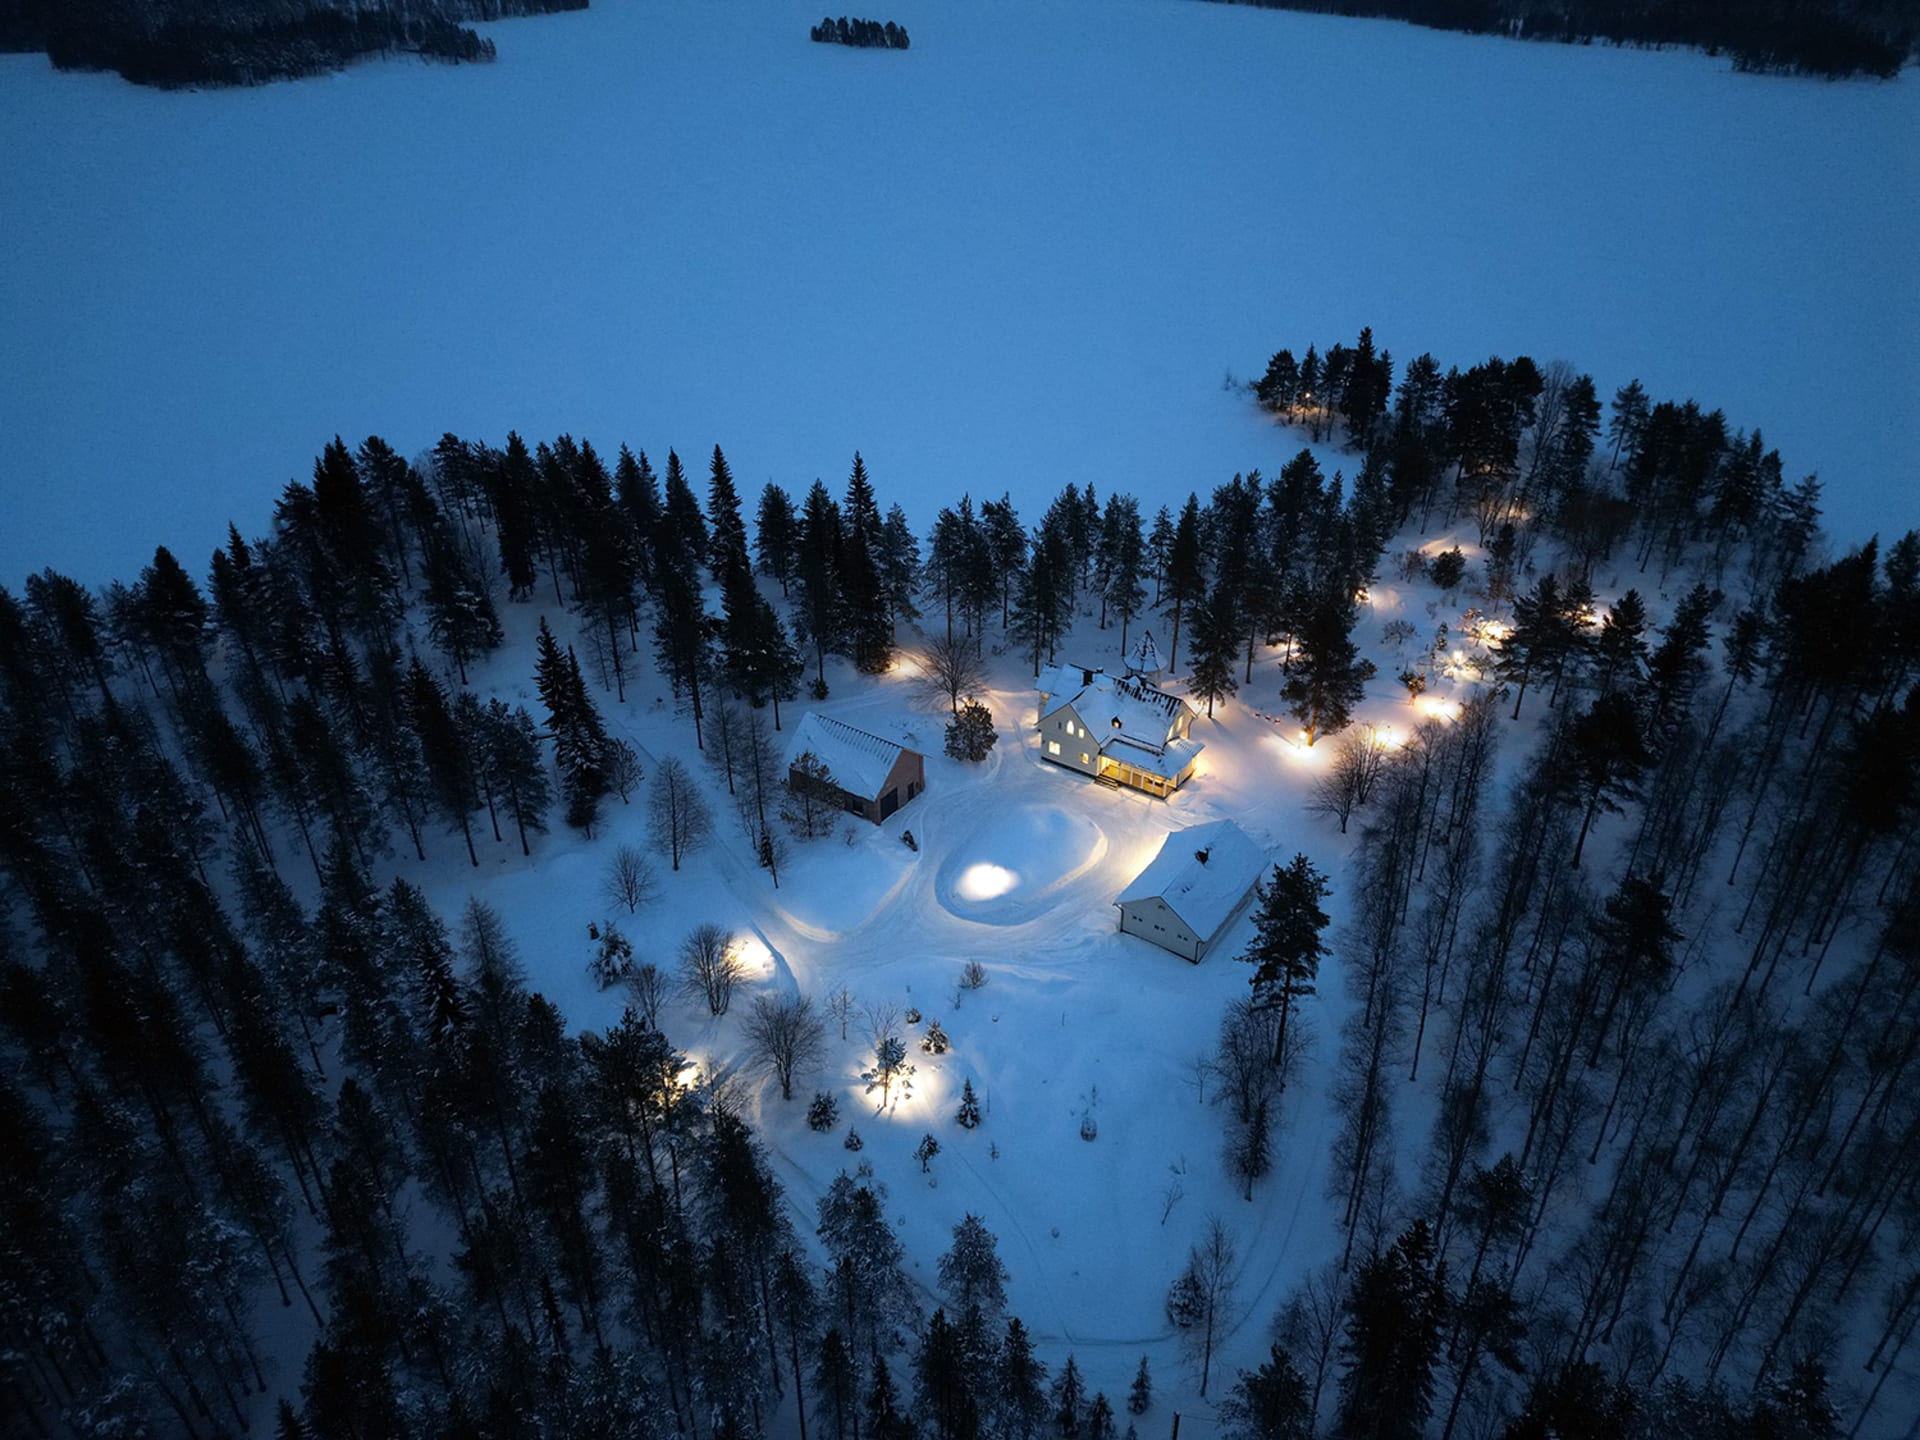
point(872, 776)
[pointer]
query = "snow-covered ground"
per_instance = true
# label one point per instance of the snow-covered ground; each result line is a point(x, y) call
point(1018, 866)
point(1023, 252)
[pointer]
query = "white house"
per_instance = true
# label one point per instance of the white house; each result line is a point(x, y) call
point(1188, 896)
point(1119, 729)
point(872, 776)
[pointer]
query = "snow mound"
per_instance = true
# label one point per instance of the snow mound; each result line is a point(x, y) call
point(1017, 863)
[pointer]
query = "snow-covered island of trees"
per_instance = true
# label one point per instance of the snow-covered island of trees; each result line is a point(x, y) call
point(445, 990)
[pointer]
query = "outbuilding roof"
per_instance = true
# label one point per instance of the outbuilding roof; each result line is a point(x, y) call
point(859, 760)
point(1203, 893)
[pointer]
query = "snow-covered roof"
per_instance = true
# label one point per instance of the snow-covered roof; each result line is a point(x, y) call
point(1202, 893)
point(858, 760)
point(1144, 658)
point(1117, 708)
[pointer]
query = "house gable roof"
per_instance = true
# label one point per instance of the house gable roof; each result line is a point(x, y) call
point(858, 760)
point(1202, 893)
point(1116, 708)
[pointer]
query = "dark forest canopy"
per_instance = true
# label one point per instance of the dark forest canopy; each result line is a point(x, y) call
point(1832, 38)
point(177, 44)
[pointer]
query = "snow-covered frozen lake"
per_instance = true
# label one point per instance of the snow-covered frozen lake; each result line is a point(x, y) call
point(1024, 252)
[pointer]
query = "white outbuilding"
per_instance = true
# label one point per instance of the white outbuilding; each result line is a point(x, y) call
point(1188, 896)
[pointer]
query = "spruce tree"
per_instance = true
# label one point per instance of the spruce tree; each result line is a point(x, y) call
point(1216, 649)
point(1328, 676)
point(1394, 1327)
point(865, 617)
point(1184, 581)
point(776, 533)
point(1140, 1396)
point(822, 606)
point(444, 747)
point(968, 1116)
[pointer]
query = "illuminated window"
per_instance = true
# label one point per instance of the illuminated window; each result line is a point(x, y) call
point(1053, 747)
point(1069, 726)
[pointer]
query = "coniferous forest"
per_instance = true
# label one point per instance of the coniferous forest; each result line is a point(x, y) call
point(1625, 1114)
point(1835, 39)
point(246, 42)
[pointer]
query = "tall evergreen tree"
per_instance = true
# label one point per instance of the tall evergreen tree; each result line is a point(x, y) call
point(776, 535)
point(1328, 676)
point(1394, 1327)
point(822, 598)
point(1216, 648)
point(1288, 943)
point(444, 747)
point(863, 593)
point(1184, 581)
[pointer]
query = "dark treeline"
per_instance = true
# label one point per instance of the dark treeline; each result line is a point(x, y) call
point(1666, 996)
point(249, 42)
point(1833, 38)
point(1665, 1193)
point(864, 34)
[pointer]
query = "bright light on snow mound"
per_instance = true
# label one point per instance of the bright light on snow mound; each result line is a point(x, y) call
point(1017, 864)
point(986, 881)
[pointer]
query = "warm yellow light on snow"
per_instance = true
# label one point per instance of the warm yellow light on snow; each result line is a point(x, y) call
point(1437, 709)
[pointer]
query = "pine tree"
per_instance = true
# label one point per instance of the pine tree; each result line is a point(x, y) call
point(683, 529)
point(1621, 650)
point(512, 762)
point(1328, 677)
point(1184, 581)
point(1020, 1387)
point(1216, 649)
point(727, 547)
point(884, 1420)
point(1043, 605)
point(1100, 1418)
point(1069, 1394)
point(1394, 1326)
point(444, 746)
point(511, 487)
point(942, 1391)
point(865, 617)
point(461, 620)
point(1140, 1397)
point(1269, 1403)
point(776, 535)
point(1602, 760)
point(822, 600)
point(638, 492)
point(968, 1116)
point(970, 734)
point(971, 1274)
point(580, 741)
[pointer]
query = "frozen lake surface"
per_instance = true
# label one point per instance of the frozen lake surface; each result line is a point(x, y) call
point(1022, 253)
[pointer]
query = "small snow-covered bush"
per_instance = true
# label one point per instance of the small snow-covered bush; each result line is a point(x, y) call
point(613, 961)
point(973, 975)
point(935, 1041)
point(853, 1140)
point(823, 1112)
